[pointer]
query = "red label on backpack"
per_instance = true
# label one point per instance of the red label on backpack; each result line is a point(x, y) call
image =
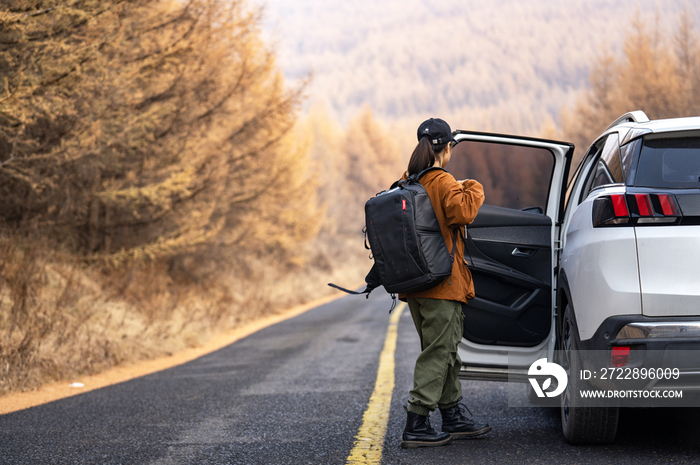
point(403, 204)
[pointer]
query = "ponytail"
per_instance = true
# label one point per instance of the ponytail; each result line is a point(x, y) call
point(423, 156)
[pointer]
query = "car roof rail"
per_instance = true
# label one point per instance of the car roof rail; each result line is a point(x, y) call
point(637, 116)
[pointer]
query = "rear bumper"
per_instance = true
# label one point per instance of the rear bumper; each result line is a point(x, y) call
point(650, 333)
point(654, 343)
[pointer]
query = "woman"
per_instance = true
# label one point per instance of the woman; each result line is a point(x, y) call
point(437, 312)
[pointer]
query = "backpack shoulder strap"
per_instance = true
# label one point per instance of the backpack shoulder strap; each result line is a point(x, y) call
point(366, 291)
point(372, 280)
point(427, 170)
point(416, 177)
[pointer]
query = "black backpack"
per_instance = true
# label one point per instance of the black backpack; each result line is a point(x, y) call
point(409, 251)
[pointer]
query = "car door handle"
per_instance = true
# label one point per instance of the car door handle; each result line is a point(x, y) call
point(523, 252)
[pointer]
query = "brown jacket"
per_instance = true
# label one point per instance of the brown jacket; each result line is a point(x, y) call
point(456, 204)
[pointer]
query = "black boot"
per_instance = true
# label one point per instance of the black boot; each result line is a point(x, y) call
point(455, 422)
point(419, 433)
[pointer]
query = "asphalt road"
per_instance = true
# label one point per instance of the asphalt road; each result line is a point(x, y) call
point(295, 393)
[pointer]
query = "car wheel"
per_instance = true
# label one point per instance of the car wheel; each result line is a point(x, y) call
point(581, 424)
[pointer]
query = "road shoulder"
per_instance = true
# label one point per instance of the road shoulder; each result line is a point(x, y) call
point(59, 390)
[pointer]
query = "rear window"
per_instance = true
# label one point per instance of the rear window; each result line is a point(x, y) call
point(669, 163)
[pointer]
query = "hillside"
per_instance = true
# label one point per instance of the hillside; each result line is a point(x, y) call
point(160, 182)
point(504, 65)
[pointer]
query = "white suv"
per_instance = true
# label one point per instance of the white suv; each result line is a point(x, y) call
point(606, 259)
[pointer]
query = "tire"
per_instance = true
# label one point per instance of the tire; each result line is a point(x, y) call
point(581, 424)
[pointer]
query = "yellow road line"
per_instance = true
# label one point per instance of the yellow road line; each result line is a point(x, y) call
point(369, 440)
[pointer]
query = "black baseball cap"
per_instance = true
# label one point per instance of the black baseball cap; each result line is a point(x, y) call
point(437, 130)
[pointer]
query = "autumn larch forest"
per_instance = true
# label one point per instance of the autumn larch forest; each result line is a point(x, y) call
point(162, 181)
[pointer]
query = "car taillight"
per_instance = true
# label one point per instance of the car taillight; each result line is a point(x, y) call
point(643, 205)
point(619, 206)
point(635, 209)
point(620, 356)
point(668, 205)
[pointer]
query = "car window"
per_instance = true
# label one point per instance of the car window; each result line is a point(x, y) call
point(602, 175)
point(628, 153)
point(580, 171)
point(669, 163)
point(608, 167)
point(591, 158)
point(513, 176)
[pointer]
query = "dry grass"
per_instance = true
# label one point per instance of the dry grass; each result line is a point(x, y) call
point(59, 320)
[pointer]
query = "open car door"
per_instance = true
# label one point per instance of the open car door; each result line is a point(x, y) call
point(511, 250)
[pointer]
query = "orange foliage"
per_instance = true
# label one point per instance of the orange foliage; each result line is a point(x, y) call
point(656, 73)
point(147, 129)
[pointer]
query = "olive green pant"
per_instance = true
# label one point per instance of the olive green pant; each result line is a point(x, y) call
point(436, 376)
